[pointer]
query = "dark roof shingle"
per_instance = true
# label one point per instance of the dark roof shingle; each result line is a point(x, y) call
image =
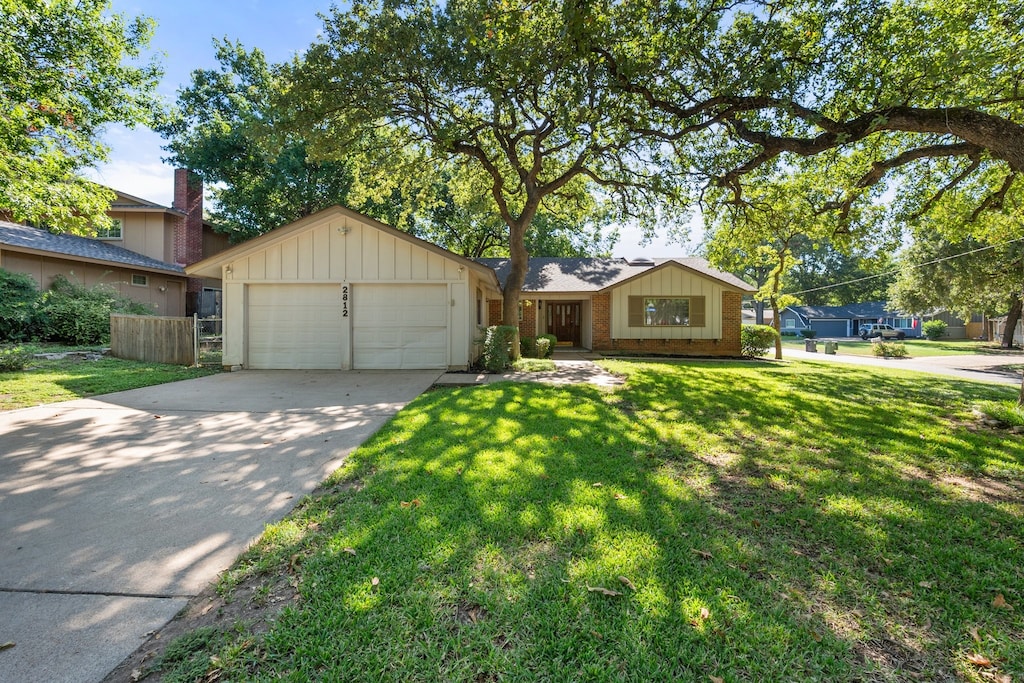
point(555, 274)
point(21, 236)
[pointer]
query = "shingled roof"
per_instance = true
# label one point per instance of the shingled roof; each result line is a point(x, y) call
point(554, 274)
point(33, 240)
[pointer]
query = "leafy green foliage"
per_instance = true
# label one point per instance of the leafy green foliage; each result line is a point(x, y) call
point(888, 349)
point(72, 313)
point(1006, 413)
point(755, 340)
point(808, 333)
point(546, 345)
point(13, 358)
point(18, 298)
point(503, 93)
point(934, 330)
point(497, 345)
point(67, 69)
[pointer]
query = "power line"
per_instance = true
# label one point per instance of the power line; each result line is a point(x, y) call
point(903, 268)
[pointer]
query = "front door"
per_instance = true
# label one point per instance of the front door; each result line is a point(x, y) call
point(564, 321)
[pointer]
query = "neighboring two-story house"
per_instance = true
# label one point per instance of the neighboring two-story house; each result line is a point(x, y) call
point(142, 256)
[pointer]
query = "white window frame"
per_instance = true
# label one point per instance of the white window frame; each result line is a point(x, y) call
point(105, 233)
point(144, 280)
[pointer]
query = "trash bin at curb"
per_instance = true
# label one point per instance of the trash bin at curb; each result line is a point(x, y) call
point(811, 345)
point(831, 347)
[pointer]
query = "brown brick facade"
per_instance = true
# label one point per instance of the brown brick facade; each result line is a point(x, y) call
point(493, 312)
point(727, 346)
point(188, 231)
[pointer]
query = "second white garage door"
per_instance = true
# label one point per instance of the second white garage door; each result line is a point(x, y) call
point(399, 327)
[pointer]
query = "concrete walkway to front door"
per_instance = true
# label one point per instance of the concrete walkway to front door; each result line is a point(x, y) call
point(114, 511)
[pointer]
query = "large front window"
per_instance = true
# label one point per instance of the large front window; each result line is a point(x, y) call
point(666, 311)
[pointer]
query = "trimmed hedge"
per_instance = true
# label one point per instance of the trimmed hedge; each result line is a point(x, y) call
point(497, 345)
point(755, 340)
point(934, 329)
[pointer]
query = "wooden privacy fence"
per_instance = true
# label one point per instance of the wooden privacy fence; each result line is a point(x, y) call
point(153, 339)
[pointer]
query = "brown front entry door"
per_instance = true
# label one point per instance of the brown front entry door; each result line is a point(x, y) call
point(564, 321)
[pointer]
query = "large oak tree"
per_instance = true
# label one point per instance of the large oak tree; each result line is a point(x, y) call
point(505, 90)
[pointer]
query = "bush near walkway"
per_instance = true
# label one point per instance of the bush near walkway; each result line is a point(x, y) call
point(737, 521)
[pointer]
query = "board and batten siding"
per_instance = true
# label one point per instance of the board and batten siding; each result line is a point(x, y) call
point(667, 282)
point(344, 250)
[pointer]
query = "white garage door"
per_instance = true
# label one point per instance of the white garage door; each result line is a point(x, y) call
point(399, 327)
point(295, 327)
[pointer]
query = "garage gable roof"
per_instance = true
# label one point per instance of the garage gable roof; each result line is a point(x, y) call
point(36, 241)
point(554, 274)
point(210, 267)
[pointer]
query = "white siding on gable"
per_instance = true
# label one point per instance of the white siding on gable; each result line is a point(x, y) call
point(341, 250)
point(409, 304)
point(667, 282)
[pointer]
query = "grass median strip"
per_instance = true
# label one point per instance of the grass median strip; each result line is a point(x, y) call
point(729, 520)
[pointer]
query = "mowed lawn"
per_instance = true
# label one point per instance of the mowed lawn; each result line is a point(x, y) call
point(710, 521)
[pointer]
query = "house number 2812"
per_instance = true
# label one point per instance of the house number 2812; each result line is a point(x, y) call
point(344, 301)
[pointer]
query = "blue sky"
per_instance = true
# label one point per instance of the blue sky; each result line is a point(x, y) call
point(184, 39)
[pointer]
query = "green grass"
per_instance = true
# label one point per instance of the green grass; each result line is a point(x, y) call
point(768, 522)
point(916, 348)
point(50, 381)
point(534, 365)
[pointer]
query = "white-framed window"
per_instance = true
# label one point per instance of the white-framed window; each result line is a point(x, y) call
point(114, 232)
point(139, 280)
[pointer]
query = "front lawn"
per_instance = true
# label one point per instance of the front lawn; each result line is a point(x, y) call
point(49, 381)
point(719, 521)
point(916, 348)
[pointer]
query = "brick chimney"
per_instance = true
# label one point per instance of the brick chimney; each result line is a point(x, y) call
point(188, 231)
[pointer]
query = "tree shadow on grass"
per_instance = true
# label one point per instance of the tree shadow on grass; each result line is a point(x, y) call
point(478, 535)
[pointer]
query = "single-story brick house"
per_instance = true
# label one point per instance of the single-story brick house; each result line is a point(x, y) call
point(678, 306)
point(339, 290)
point(845, 321)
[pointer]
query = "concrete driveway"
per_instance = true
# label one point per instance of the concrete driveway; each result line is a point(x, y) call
point(115, 510)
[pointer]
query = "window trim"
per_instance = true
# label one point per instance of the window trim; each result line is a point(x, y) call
point(144, 283)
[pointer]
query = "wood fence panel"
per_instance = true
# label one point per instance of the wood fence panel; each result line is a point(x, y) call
point(153, 339)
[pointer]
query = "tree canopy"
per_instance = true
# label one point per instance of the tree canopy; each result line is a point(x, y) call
point(68, 68)
point(503, 90)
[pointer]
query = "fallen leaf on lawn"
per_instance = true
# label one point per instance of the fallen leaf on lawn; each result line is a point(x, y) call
point(294, 561)
point(886, 560)
point(716, 679)
point(603, 591)
point(756, 523)
point(974, 634)
point(627, 582)
point(797, 552)
point(6, 646)
point(802, 522)
point(136, 675)
point(703, 553)
point(620, 496)
point(375, 582)
point(1002, 678)
point(597, 484)
point(816, 636)
point(979, 660)
point(1000, 602)
point(925, 584)
point(414, 503)
point(597, 635)
point(705, 613)
point(350, 551)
